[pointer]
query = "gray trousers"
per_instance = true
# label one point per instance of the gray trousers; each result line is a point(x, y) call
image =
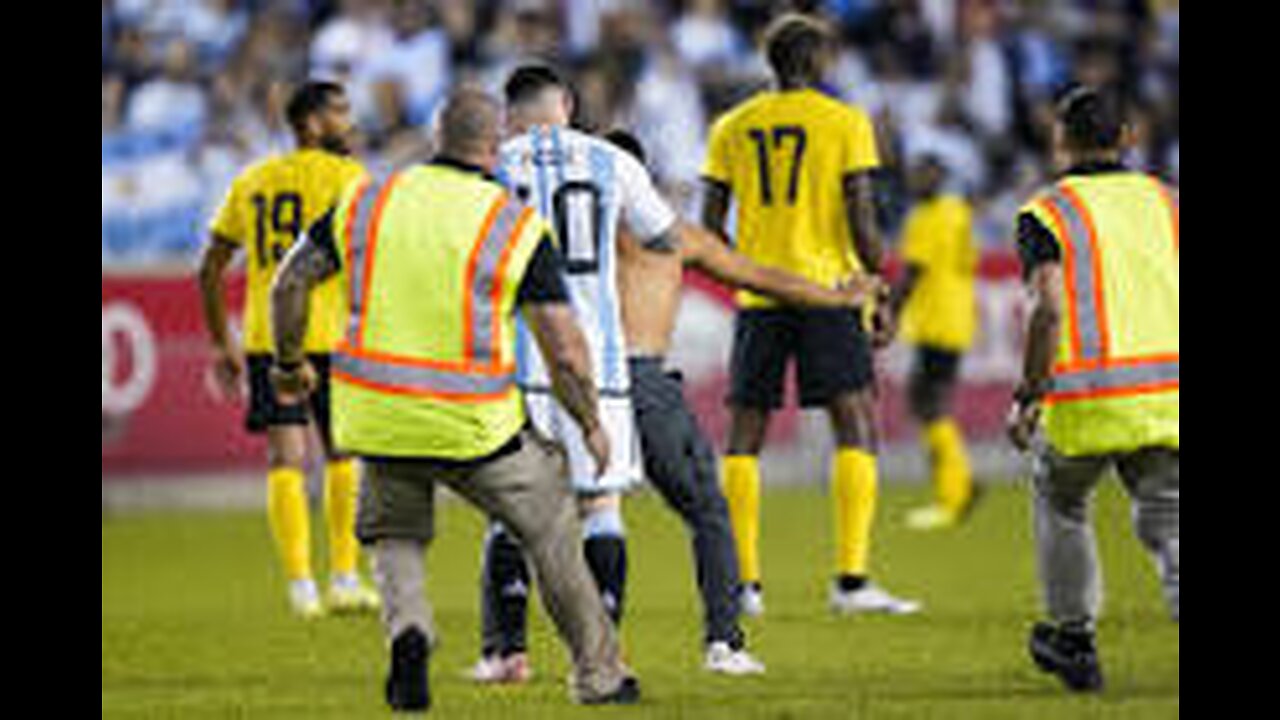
point(528, 491)
point(681, 464)
point(1070, 570)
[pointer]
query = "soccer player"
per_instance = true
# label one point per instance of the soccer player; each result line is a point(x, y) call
point(1102, 249)
point(800, 164)
point(938, 302)
point(265, 212)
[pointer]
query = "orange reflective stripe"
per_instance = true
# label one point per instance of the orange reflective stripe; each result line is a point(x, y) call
point(1175, 212)
point(500, 280)
point(473, 270)
point(352, 212)
point(1116, 363)
point(1058, 398)
point(402, 391)
point(371, 252)
point(458, 366)
point(1099, 280)
point(1069, 267)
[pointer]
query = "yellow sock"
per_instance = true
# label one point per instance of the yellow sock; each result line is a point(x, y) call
point(952, 472)
point(341, 499)
point(855, 493)
point(742, 489)
point(290, 521)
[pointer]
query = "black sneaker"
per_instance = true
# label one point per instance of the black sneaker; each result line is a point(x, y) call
point(628, 693)
point(1071, 655)
point(408, 687)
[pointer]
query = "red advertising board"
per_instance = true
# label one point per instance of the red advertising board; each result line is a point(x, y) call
point(163, 416)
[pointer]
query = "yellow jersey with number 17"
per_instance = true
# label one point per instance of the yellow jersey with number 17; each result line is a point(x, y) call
point(266, 210)
point(785, 156)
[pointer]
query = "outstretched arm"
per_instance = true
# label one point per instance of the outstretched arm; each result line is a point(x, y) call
point(705, 252)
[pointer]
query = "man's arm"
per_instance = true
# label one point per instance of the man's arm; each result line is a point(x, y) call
point(1043, 331)
point(705, 252)
point(717, 199)
point(568, 359)
point(215, 260)
point(860, 206)
point(313, 260)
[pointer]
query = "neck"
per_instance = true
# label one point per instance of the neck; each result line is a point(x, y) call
point(794, 84)
point(524, 125)
point(1097, 157)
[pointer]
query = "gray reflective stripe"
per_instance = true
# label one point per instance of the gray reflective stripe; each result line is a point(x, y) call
point(486, 275)
point(1084, 283)
point(1117, 378)
point(359, 234)
point(420, 379)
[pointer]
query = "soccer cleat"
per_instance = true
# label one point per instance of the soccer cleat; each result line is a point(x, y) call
point(722, 659)
point(934, 518)
point(494, 670)
point(304, 600)
point(1071, 655)
point(349, 596)
point(408, 686)
point(628, 693)
point(871, 600)
point(753, 601)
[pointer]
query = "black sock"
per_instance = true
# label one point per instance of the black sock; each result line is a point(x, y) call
point(506, 597)
point(852, 583)
point(607, 557)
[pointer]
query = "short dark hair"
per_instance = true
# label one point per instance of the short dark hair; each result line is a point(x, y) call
point(528, 81)
point(630, 143)
point(310, 98)
point(795, 44)
point(1093, 119)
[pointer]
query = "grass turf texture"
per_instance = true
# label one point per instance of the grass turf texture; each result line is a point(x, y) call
point(194, 626)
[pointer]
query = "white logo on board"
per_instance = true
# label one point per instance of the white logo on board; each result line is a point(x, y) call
point(124, 390)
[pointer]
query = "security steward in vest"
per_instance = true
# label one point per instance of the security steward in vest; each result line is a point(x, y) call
point(1102, 250)
point(436, 261)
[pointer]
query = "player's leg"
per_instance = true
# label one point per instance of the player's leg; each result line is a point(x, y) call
point(681, 465)
point(1154, 480)
point(605, 545)
point(347, 592)
point(1070, 573)
point(397, 521)
point(528, 492)
point(836, 370)
point(932, 387)
point(505, 587)
point(288, 507)
point(764, 344)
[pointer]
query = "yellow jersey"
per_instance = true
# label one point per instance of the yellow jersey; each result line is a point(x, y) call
point(268, 207)
point(785, 155)
point(943, 310)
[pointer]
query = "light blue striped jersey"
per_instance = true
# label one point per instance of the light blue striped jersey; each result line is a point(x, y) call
point(586, 187)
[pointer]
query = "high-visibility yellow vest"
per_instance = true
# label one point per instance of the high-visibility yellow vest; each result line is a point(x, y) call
point(1117, 380)
point(433, 257)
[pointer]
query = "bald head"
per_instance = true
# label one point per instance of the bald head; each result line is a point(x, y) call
point(470, 128)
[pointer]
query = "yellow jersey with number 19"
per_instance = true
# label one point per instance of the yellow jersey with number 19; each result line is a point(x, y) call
point(268, 207)
point(785, 156)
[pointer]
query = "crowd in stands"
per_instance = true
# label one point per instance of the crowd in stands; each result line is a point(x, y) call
point(192, 89)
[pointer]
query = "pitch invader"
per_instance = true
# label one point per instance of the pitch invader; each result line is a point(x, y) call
point(267, 209)
point(800, 163)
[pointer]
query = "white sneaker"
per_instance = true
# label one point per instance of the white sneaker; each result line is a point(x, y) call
point(304, 599)
point(724, 660)
point(494, 670)
point(349, 596)
point(872, 600)
point(753, 602)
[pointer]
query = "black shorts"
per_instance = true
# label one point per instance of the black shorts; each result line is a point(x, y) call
point(831, 349)
point(937, 368)
point(266, 413)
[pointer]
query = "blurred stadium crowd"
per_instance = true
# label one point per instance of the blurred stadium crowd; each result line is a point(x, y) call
point(192, 89)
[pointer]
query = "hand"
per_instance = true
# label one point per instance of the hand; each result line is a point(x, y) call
point(858, 289)
point(229, 372)
point(597, 441)
point(294, 385)
point(1024, 424)
point(884, 325)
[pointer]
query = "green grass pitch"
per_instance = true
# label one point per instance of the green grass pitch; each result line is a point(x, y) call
point(194, 626)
